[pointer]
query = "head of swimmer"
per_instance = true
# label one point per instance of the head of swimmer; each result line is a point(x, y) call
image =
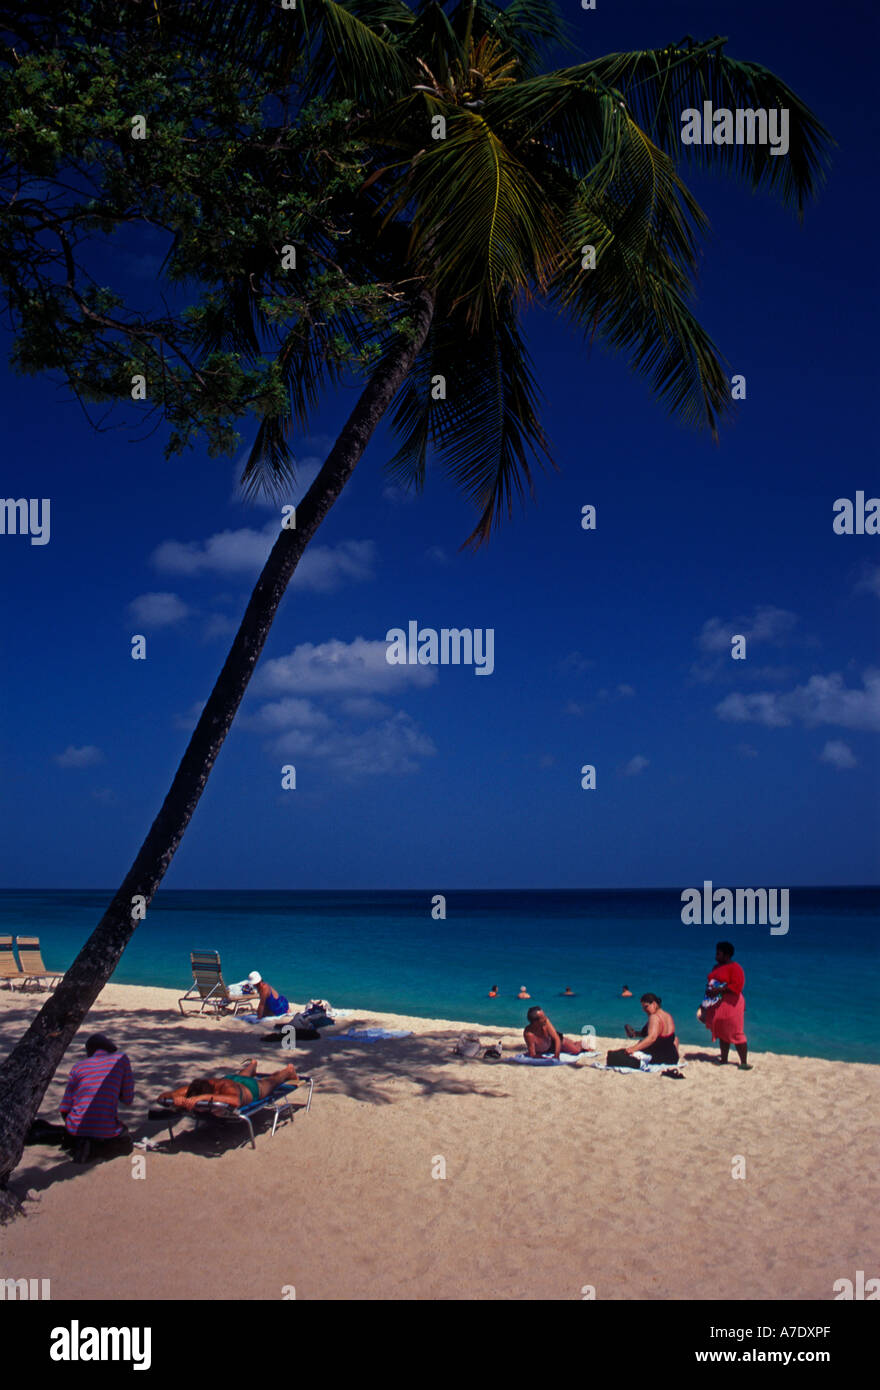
point(651, 1003)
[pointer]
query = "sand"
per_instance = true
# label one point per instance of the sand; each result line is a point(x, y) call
point(558, 1180)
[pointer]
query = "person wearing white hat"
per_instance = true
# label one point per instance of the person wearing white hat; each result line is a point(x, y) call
point(272, 1004)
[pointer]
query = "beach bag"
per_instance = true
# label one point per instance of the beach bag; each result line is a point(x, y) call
point(621, 1058)
point(468, 1046)
point(493, 1052)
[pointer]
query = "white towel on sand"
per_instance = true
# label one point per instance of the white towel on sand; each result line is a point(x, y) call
point(551, 1061)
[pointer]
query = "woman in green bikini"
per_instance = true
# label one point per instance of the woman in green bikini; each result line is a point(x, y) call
point(237, 1088)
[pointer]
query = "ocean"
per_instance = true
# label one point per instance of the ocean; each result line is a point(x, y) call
point(806, 992)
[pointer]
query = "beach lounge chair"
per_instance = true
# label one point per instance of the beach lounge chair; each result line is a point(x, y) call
point(209, 988)
point(279, 1101)
point(10, 970)
point(33, 971)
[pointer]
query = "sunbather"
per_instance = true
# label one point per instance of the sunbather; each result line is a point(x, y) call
point(542, 1039)
point(236, 1088)
point(272, 1004)
point(660, 1042)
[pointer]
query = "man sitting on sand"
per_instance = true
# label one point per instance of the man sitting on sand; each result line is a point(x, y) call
point(236, 1088)
point(95, 1087)
point(542, 1039)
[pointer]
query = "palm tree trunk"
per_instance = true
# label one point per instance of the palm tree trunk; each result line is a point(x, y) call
point(27, 1071)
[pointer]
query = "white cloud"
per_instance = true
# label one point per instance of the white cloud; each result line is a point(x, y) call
point(823, 700)
point(838, 754)
point(245, 551)
point(398, 495)
point(625, 691)
point(324, 568)
point(218, 625)
point(365, 707)
point(870, 581)
point(87, 756)
point(746, 750)
point(769, 625)
point(635, 766)
point(288, 713)
point(189, 720)
point(390, 748)
point(437, 554)
point(228, 552)
point(576, 661)
point(158, 610)
point(357, 666)
point(574, 708)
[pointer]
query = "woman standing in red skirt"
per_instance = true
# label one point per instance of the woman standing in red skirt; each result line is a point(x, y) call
point(724, 1009)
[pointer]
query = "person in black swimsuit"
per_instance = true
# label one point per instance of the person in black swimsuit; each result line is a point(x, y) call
point(657, 1037)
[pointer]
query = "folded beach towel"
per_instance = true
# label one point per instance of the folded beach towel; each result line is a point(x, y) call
point(550, 1061)
point(371, 1034)
point(643, 1066)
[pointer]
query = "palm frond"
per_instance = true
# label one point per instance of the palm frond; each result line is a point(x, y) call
point(349, 57)
point(486, 432)
point(660, 84)
point(481, 222)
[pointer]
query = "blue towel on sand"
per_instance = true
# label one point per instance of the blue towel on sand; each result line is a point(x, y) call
point(371, 1034)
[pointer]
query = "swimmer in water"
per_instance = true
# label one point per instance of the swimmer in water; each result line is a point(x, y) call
point(523, 993)
point(568, 992)
point(626, 992)
point(493, 992)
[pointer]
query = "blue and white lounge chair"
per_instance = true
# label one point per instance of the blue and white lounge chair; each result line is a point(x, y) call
point(278, 1101)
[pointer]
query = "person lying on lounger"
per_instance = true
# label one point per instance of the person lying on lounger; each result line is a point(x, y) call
point(542, 1039)
point(237, 1088)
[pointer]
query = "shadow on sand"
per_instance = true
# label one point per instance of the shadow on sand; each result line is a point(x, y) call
point(167, 1049)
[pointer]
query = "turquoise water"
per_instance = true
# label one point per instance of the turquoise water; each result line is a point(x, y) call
point(807, 993)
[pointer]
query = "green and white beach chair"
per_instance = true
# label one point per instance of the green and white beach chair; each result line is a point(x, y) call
point(209, 988)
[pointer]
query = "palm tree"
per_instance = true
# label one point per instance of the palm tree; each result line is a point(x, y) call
point(489, 178)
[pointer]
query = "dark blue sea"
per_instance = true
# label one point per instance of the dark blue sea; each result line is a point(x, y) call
point(808, 993)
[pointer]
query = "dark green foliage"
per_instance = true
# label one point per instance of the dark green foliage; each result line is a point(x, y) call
point(313, 128)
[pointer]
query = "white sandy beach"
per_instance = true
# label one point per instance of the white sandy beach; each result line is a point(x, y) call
point(556, 1178)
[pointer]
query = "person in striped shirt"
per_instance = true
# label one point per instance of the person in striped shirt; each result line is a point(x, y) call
point(95, 1088)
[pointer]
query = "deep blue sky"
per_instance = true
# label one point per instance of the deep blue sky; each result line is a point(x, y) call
point(606, 643)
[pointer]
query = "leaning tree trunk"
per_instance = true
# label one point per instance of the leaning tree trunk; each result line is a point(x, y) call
point(27, 1071)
